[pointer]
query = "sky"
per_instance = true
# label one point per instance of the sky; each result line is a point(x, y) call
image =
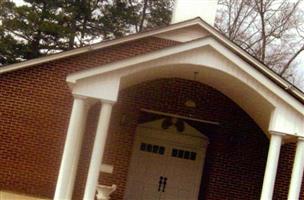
point(300, 59)
point(18, 2)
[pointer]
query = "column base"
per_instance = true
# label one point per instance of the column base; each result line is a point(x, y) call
point(104, 192)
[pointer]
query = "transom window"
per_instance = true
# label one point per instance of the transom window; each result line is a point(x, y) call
point(152, 148)
point(183, 154)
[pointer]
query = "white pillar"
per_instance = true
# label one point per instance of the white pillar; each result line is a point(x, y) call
point(297, 172)
point(72, 148)
point(98, 150)
point(271, 166)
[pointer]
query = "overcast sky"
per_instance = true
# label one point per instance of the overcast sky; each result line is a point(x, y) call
point(300, 59)
point(18, 2)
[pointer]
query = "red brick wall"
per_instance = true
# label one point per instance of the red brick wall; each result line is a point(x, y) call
point(35, 107)
point(284, 172)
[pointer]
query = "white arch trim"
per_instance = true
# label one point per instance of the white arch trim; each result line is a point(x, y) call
point(275, 109)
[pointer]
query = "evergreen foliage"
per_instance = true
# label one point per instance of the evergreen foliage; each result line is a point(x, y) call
point(42, 27)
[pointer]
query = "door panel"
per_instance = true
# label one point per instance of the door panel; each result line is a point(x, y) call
point(153, 158)
point(146, 169)
point(182, 175)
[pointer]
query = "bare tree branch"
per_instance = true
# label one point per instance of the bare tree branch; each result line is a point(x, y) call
point(267, 29)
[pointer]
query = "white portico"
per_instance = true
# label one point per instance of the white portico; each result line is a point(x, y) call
point(222, 65)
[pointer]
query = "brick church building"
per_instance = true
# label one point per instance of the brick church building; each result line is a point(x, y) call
point(175, 113)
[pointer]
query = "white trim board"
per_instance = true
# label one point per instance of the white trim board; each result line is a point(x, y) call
point(180, 116)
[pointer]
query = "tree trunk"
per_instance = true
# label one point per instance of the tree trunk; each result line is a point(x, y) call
point(143, 16)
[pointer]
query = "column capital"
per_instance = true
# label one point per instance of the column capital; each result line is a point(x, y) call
point(105, 101)
point(88, 101)
point(77, 96)
point(277, 133)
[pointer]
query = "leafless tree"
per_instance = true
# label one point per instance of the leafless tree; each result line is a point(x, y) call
point(270, 30)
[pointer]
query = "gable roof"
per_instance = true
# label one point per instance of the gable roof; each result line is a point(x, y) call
point(287, 86)
point(97, 46)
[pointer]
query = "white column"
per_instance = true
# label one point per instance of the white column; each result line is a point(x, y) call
point(72, 149)
point(271, 166)
point(297, 172)
point(98, 150)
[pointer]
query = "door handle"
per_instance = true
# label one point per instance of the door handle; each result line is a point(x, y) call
point(160, 182)
point(165, 183)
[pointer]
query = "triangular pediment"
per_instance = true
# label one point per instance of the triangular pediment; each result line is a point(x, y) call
point(185, 34)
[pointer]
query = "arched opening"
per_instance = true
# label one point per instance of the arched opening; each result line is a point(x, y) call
point(228, 168)
point(247, 96)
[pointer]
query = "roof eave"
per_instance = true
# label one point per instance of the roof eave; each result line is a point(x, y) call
point(291, 89)
point(97, 46)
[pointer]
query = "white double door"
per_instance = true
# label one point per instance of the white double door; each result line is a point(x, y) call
point(161, 170)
